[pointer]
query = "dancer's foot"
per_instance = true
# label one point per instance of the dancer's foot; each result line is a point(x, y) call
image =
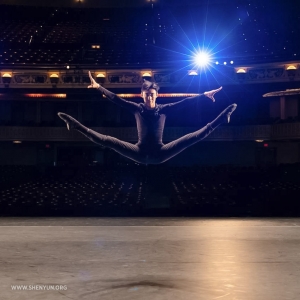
point(223, 117)
point(228, 111)
point(70, 121)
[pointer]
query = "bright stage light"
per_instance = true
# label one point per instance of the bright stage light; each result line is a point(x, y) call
point(202, 59)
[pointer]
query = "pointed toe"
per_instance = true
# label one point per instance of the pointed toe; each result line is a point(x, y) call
point(229, 110)
point(70, 122)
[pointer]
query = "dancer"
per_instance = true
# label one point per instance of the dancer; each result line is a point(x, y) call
point(150, 118)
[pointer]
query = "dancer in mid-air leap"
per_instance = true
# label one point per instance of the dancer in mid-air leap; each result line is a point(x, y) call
point(150, 118)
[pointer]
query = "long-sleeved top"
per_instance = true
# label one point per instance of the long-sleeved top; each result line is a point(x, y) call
point(150, 122)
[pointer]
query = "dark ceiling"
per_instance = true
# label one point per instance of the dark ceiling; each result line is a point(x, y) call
point(110, 3)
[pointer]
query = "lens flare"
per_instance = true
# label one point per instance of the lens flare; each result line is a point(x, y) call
point(202, 59)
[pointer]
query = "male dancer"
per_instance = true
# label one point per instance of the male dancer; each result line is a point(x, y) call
point(150, 118)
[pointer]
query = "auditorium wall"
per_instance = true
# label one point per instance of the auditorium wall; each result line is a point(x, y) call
point(287, 152)
point(242, 153)
point(17, 154)
point(216, 153)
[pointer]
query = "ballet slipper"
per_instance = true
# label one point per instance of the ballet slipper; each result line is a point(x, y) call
point(70, 121)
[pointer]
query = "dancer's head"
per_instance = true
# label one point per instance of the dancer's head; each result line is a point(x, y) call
point(149, 93)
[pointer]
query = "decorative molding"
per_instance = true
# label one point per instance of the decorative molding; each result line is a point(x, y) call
point(275, 72)
point(78, 78)
point(29, 79)
point(125, 78)
point(266, 73)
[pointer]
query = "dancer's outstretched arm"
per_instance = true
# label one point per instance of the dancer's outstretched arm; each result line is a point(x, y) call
point(111, 96)
point(184, 102)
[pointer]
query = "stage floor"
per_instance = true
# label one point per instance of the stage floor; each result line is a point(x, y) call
point(149, 258)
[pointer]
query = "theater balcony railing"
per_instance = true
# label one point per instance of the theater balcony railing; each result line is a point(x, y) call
point(285, 131)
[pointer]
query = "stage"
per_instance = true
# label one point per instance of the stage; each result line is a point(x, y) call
point(150, 258)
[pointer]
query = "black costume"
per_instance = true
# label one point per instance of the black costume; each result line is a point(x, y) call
point(150, 125)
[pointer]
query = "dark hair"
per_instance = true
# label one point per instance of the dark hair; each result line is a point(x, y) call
point(147, 85)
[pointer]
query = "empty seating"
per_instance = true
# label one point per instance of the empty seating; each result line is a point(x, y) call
point(138, 36)
point(220, 190)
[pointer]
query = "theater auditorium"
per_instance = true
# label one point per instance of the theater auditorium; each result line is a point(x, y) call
point(220, 220)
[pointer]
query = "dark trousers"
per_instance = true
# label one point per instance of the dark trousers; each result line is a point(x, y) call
point(148, 154)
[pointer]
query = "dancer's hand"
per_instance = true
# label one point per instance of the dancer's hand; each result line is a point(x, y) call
point(211, 94)
point(94, 84)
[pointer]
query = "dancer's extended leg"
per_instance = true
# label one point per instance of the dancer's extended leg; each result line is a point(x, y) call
point(126, 149)
point(173, 148)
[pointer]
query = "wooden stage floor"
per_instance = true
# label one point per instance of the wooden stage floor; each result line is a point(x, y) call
point(149, 258)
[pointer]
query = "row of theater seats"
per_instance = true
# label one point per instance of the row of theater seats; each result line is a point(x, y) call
point(256, 192)
point(75, 32)
point(39, 56)
point(264, 198)
point(19, 31)
point(69, 191)
point(117, 56)
point(125, 31)
point(126, 190)
point(64, 36)
point(11, 176)
point(62, 30)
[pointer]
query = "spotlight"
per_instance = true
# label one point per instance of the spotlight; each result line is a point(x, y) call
point(231, 62)
point(202, 59)
point(225, 63)
point(241, 70)
point(193, 73)
point(6, 79)
point(291, 72)
point(217, 62)
point(241, 74)
point(100, 78)
point(147, 75)
point(54, 79)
